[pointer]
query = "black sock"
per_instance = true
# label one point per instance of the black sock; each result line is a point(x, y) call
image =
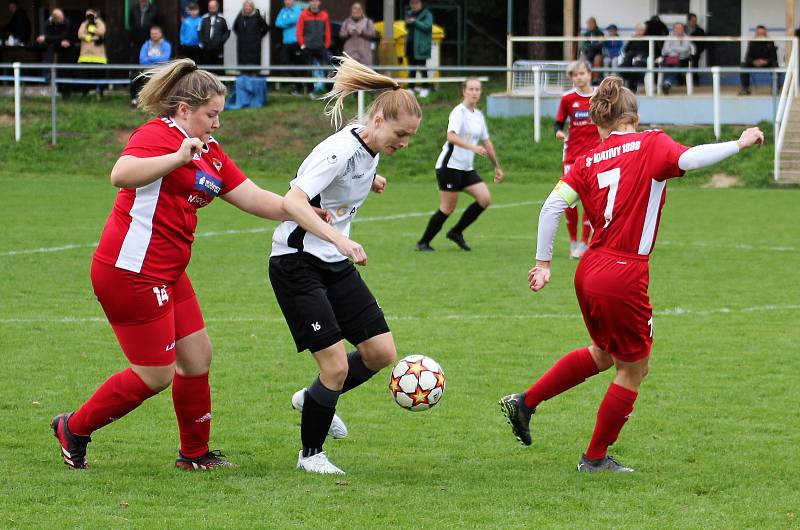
point(318, 409)
point(434, 226)
point(357, 371)
point(468, 217)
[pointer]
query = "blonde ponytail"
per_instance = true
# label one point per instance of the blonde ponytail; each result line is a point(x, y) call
point(352, 76)
point(178, 82)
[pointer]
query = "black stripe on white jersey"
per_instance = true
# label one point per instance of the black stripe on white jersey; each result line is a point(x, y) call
point(446, 160)
point(295, 239)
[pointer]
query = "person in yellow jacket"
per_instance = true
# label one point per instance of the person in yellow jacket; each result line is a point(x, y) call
point(91, 35)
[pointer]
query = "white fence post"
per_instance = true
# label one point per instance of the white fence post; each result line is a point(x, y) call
point(509, 61)
point(17, 104)
point(53, 98)
point(715, 79)
point(651, 58)
point(537, 104)
point(360, 104)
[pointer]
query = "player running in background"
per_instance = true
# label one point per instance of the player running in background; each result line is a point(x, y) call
point(622, 185)
point(170, 167)
point(583, 136)
point(320, 292)
point(467, 135)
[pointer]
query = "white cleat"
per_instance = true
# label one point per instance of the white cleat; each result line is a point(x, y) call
point(317, 463)
point(574, 252)
point(337, 429)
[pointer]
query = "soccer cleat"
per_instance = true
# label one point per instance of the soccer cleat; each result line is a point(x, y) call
point(574, 252)
point(425, 247)
point(317, 463)
point(517, 417)
point(337, 429)
point(607, 463)
point(73, 447)
point(458, 239)
point(208, 461)
point(582, 248)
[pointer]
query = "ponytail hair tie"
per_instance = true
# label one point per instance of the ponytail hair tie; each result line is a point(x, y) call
point(396, 87)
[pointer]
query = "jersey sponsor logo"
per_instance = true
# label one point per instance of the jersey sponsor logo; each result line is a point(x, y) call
point(581, 114)
point(575, 105)
point(341, 211)
point(207, 183)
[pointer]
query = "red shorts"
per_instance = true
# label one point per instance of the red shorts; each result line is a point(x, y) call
point(147, 315)
point(612, 292)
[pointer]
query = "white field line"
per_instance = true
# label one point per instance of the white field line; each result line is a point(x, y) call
point(677, 311)
point(213, 233)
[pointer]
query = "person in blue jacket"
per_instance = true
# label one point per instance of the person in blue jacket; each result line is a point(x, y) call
point(290, 53)
point(190, 33)
point(154, 51)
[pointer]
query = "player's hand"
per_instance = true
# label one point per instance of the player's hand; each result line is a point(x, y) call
point(379, 184)
point(538, 277)
point(354, 251)
point(750, 137)
point(561, 136)
point(498, 175)
point(480, 150)
point(323, 214)
point(189, 147)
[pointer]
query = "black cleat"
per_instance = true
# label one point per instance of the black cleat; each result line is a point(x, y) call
point(73, 447)
point(458, 239)
point(518, 417)
point(424, 247)
point(607, 463)
point(208, 461)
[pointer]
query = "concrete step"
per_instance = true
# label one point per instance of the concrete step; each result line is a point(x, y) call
point(788, 176)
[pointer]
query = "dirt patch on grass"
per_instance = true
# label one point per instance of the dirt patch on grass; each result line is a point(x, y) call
point(121, 136)
point(6, 120)
point(721, 180)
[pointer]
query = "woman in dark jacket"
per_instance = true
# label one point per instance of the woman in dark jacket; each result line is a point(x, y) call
point(250, 27)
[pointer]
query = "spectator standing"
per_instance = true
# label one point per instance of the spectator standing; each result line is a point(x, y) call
point(358, 33)
point(91, 35)
point(655, 27)
point(250, 27)
point(634, 55)
point(760, 54)
point(143, 16)
point(592, 50)
point(676, 53)
point(314, 37)
point(693, 30)
point(17, 31)
point(214, 33)
point(190, 33)
point(57, 39)
point(290, 50)
point(612, 49)
point(154, 51)
point(419, 25)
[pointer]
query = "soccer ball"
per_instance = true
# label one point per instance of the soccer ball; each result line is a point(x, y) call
point(417, 383)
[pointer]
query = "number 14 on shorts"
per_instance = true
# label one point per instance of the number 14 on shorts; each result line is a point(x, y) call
point(161, 295)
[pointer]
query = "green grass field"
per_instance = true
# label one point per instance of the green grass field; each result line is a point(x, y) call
point(714, 436)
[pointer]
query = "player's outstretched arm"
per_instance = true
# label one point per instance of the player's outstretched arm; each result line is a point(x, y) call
point(549, 219)
point(706, 155)
point(134, 172)
point(250, 198)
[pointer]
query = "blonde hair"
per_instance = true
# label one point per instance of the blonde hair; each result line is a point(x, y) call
point(574, 66)
point(352, 76)
point(178, 82)
point(467, 80)
point(613, 104)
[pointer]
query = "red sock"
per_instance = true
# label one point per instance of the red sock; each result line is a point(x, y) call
point(571, 215)
point(614, 411)
point(120, 394)
point(586, 231)
point(572, 369)
point(191, 396)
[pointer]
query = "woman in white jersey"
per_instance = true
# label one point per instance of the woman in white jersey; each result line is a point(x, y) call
point(319, 291)
point(467, 135)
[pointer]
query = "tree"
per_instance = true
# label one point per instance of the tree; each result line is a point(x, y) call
point(536, 26)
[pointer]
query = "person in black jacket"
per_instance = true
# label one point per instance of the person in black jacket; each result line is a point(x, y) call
point(142, 16)
point(760, 54)
point(655, 27)
point(250, 27)
point(694, 30)
point(634, 54)
point(58, 39)
point(18, 29)
point(214, 33)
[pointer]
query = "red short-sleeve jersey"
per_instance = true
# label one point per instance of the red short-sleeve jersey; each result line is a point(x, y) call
point(622, 186)
point(583, 133)
point(150, 229)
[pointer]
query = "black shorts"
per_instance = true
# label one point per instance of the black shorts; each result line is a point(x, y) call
point(323, 302)
point(456, 179)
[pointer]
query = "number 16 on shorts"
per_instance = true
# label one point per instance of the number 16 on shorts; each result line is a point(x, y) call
point(161, 295)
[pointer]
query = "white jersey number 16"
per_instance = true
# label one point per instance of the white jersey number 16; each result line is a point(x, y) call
point(609, 179)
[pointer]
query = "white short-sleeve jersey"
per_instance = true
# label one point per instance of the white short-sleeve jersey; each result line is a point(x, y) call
point(337, 176)
point(470, 126)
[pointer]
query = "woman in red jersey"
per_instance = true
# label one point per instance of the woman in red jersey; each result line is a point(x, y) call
point(170, 167)
point(622, 185)
point(583, 136)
